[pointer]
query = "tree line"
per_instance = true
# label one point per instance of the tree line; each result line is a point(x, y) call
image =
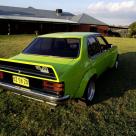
point(132, 29)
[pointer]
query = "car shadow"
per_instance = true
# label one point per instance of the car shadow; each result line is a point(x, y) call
point(114, 83)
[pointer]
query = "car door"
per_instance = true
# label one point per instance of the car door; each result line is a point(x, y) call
point(96, 58)
point(105, 50)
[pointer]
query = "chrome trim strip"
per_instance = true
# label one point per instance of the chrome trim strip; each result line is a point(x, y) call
point(34, 94)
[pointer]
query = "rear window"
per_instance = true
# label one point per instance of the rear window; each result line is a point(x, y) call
point(61, 47)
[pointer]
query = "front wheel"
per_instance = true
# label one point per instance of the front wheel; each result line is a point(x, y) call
point(116, 64)
point(90, 92)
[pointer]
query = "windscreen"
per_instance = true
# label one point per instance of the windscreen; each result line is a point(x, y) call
point(61, 47)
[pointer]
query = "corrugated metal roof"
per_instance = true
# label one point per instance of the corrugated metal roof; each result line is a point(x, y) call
point(32, 14)
point(86, 19)
point(23, 18)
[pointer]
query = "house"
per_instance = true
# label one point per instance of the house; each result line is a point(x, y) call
point(89, 24)
point(16, 20)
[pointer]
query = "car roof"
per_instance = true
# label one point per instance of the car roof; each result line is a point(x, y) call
point(71, 34)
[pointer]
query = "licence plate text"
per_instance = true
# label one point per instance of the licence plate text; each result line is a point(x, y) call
point(21, 81)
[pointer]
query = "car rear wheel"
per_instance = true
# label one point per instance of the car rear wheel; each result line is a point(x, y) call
point(90, 92)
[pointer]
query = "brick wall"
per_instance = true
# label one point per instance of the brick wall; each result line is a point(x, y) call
point(91, 28)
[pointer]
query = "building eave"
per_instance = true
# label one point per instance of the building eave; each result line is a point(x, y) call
point(37, 19)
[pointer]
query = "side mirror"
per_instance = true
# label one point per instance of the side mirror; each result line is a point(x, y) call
point(109, 45)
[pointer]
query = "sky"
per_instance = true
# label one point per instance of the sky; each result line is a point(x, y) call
point(112, 12)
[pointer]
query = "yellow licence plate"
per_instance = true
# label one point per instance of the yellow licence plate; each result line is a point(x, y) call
point(21, 81)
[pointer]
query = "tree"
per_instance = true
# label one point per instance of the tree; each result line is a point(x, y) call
point(132, 28)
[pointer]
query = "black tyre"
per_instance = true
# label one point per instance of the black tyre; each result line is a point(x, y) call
point(116, 64)
point(90, 92)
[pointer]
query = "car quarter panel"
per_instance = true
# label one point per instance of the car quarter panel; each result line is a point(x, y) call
point(78, 76)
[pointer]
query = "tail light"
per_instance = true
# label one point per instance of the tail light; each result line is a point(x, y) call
point(57, 87)
point(1, 75)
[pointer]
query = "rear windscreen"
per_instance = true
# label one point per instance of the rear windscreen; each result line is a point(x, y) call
point(61, 47)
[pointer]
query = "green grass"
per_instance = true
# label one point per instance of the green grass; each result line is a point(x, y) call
point(113, 113)
point(12, 45)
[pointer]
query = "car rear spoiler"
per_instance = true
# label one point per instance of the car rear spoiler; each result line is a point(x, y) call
point(29, 69)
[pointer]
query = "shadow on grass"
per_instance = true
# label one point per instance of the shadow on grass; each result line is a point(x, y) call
point(116, 83)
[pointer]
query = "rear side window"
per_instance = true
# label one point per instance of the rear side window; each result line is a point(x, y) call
point(93, 46)
point(61, 47)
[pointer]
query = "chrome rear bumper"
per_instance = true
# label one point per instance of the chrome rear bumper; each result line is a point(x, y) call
point(50, 99)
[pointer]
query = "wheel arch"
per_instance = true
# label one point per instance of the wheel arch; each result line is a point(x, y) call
point(115, 58)
point(84, 83)
point(94, 77)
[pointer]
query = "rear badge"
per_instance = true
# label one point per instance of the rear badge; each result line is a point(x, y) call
point(43, 69)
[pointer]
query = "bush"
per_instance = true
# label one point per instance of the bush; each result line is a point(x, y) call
point(132, 28)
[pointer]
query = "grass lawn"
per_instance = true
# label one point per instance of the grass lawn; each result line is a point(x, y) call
point(114, 111)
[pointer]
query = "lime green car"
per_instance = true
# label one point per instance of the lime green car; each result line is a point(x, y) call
point(59, 66)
